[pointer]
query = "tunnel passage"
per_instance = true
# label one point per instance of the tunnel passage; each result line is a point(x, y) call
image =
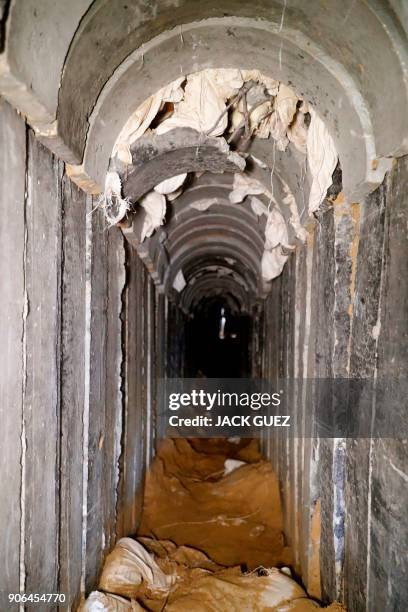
point(250, 226)
point(218, 340)
point(312, 267)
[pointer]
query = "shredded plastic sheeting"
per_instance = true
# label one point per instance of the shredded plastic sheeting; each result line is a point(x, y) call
point(276, 231)
point(297, 132)
point(322, 159)
point(155, 206)
point(215, 102)
point(206, 93)
point(290, 202)
point(174, 194)
point(285, 105)
point(258, 103)
point(179, 282)
point(258, 162)
point(198, 105)
point(255, 75)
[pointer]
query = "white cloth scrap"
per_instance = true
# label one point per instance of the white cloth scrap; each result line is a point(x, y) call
point(244, 185)
point(322, 159)
point(289, 200)
point(114, 206)
point(141, 119)
point(272, 263)
point(179, 282)
point(276, 231)
point(200, 108)
point(155, 206)
point(171, 185)
point(258, 207)
point(202, 205)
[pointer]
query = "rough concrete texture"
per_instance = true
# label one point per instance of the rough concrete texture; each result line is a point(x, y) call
point(12, 324)
point(235, 41)
point(388, 531)
point(71, 447)
point(133, 49)
point(157, 158)
point(363, 526)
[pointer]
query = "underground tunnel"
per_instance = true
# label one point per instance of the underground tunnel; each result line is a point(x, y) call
point(195, 193)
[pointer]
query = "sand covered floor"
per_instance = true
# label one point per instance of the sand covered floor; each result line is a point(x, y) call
point(210, 539)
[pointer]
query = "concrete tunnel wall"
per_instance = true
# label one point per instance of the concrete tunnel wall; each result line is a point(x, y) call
point(80, 356)
point(340, 310)
point(78, 312)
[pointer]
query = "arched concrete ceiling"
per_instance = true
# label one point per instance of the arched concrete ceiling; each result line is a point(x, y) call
point(79, 70)
point(225, 236)
point(88, 66)
point(210, 286)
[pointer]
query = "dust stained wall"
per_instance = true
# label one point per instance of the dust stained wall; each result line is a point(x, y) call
point(340, 309)
point(78, 366)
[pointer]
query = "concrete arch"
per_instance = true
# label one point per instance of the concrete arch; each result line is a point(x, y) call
point(308, 47)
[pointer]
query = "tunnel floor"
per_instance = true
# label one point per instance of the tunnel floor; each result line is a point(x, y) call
point(210, 539)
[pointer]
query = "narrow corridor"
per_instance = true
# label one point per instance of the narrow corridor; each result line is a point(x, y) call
point(202, 191)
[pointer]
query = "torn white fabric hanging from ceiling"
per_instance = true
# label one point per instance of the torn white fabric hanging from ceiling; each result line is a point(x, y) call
point(141, 119)
point(289, 200)
point(276, 231)
point(322, 159)
point(272, 263)
point(171, 185)
point(200, 108)
point(244, 185)
point(258, 207)
point(155, 206)
point(113, 204)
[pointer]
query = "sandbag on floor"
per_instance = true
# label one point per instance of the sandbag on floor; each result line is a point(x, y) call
point(235, 519)
point(230, 591)
point(210, 535)
point(130, 569)
point(184, 584)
